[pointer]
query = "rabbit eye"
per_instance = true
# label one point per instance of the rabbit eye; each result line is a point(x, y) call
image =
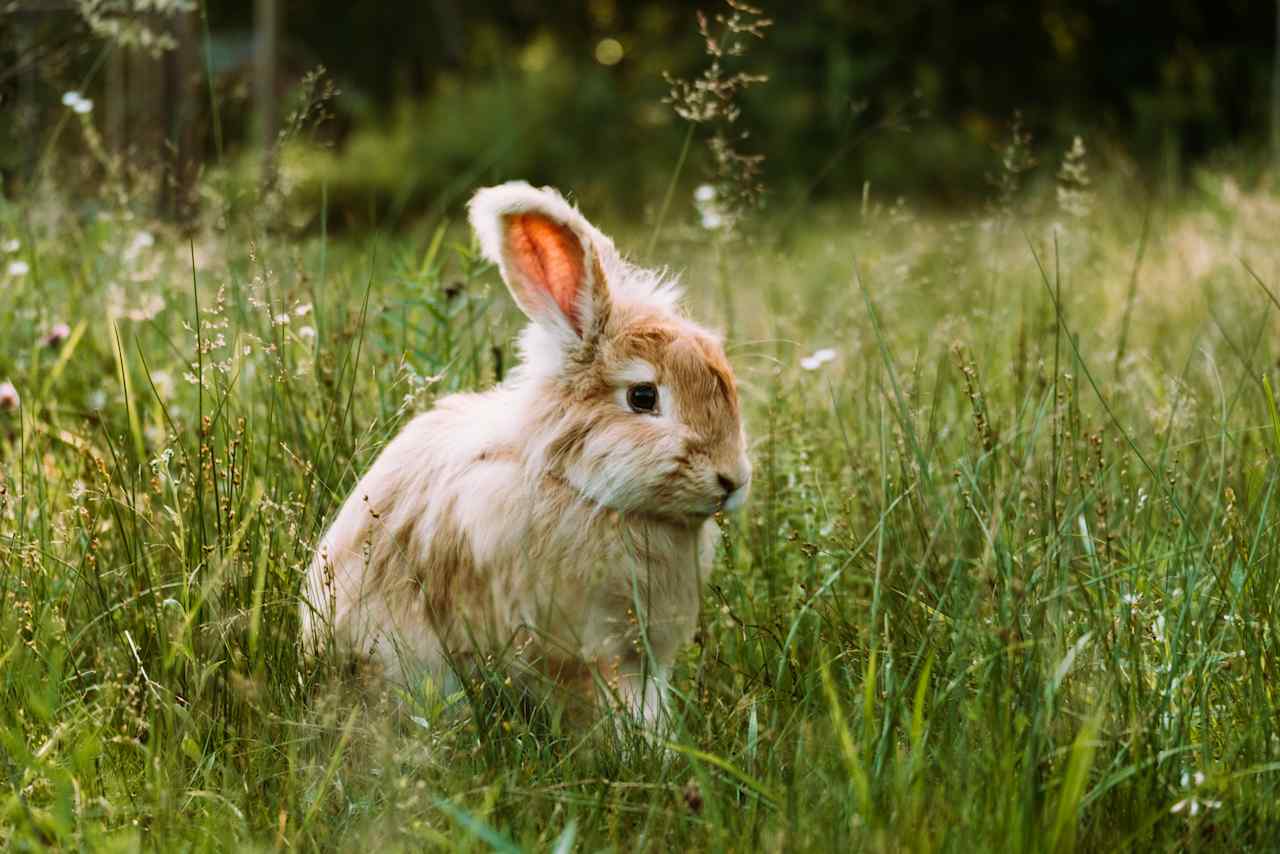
point(643, 397)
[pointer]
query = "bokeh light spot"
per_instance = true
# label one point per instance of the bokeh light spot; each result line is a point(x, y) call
point(609, 52)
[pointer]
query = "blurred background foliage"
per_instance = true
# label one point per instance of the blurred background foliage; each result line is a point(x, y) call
point(421, 101)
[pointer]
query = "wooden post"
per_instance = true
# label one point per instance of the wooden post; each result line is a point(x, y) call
point(146, 121)
point(266, 26)
point(180, 68)
point(1275, 96)
point(116, 106)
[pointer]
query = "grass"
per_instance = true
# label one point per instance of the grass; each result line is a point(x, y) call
point(1005, 583)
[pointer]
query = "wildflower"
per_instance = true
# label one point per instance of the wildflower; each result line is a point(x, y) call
point(11, 245)
point(1193, 804)
point(818, 359)
point(281, 319)
point(154, 434)
point(8, 397)
point(163, 382)
point(18, 268)
point(709, 211)
point(77, 103)
point(712, 219)
point(142, 240)
point(55, 336)
point(119, 304)
point(302, 310)
point(1157, 628)
point(306, 333)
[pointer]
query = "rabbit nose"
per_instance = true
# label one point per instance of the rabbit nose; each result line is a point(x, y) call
point(727, 484)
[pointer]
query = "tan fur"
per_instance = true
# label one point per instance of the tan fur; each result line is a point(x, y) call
point(545, 515)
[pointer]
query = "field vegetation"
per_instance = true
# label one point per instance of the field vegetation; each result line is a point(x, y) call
point(1006, 581)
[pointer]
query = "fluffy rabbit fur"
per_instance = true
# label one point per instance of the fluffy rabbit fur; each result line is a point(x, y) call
point(550, 515)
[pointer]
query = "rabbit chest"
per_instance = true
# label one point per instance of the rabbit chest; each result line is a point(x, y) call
point(432, 561)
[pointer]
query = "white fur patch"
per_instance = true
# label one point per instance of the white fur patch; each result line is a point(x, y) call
point(635, 371)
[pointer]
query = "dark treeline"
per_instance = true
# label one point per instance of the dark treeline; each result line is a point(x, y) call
point(911, 95)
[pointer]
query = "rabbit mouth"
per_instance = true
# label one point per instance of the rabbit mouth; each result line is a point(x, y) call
point(734, 500)
point(663, 511)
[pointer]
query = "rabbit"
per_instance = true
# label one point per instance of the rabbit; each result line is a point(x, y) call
point(565, 515)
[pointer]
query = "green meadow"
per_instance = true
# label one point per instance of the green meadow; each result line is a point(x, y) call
point(1007, 579)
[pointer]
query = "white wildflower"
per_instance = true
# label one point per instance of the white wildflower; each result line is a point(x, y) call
point(142, 308)
point(154, 434)
point(306, 333)
point(11, 245)
point(141, 241)
point(77, 103)
point(302, 310)
point(818, 359)
point(1193, 804)
point(709, 211)
point(163, 381)
point(1157, 628)
point(18, 268)
point(281, 319)
point(151, 305)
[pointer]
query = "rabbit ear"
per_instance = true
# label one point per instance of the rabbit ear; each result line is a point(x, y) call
point(546, 253)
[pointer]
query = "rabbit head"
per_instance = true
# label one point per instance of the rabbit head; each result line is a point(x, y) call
point(621, 396)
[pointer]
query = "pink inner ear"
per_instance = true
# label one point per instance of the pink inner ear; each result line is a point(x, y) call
point(548, 257)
